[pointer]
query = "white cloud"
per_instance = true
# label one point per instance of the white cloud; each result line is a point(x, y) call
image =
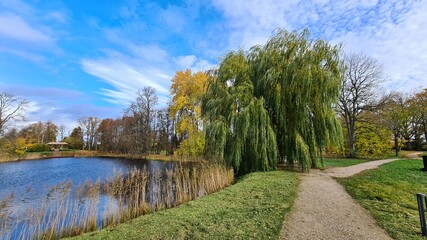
point(57, 16)
point(202, 65)
point(17, 6)
point(398, 43)
point(125, 77)
point(129, 9)
point(186, 61)
point(152, 53)
point(251, 22)
point(392, 31)
point(37, 58)
point(192, 62)
point(174, 18)
point(28, 32)
point(14, 27)
point(61, 106)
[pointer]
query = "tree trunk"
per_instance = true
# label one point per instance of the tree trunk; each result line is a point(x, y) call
point(396, 144)
point(425, 130)
point(352, 141)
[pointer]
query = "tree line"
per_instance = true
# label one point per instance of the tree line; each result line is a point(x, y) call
point(292, 100)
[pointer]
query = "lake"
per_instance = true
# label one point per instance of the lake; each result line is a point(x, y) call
point(31, 184)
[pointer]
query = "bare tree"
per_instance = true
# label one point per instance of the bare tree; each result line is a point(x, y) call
point(61, 130)
point(361, 76)
point(143, 112)
point(12, 108)
point(89, 126)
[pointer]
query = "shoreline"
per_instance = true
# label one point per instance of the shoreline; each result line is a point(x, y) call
point(84, 153)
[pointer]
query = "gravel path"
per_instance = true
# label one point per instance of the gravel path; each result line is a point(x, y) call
point(324, 210)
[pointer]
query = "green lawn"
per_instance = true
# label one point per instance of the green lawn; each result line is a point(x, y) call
point(342, 162)
point(389, 194)
point(253, 208)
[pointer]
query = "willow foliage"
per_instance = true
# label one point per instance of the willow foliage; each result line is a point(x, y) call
point(274, 103)
point(238, 128)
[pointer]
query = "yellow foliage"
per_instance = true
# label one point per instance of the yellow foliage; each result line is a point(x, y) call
point(186, 90)
point(192, 146)
point(20, 146)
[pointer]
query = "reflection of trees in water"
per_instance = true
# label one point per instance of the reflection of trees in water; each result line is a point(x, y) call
point(68, 211)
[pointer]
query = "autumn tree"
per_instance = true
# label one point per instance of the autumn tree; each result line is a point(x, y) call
point(373, 137)
point(8, 141)
point(362, 75)
point(12, 108)
point(395, 117)
point(186, 90)
point(39, 132)
point(108, 135)
point(418, 106)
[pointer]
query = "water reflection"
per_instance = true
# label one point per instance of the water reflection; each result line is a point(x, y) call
point(64, 197)
point(28, 186)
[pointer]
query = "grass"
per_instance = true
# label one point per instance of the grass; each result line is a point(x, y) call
point(253, 208)
point(388, 193)
point(341, 162)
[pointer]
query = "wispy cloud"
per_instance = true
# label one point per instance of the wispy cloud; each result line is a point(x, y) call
point(133, 65)
point(17, 6)
point(393, 32)
point(62, 106)
point(126, 77)
point(57, 16)
point(9, 23)
point(28, 32)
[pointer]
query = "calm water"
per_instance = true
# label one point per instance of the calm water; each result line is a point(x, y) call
point(27, 180)
point(30, 181)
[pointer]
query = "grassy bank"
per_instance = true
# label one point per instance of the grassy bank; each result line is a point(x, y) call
point(253, 208)
point(85, 153)
point(389, 195)
point(342, 162)
point(48, 154)
point(158, 157)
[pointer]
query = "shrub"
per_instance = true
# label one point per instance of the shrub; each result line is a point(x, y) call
point(38, 148)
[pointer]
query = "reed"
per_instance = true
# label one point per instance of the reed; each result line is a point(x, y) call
point(68, 211)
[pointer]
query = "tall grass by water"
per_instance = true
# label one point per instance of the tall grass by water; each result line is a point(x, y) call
point(69, 210)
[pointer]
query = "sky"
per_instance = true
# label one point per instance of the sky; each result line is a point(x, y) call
point(74, 58)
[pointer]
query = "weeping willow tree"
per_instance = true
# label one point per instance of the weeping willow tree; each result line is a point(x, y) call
point(238, 129)
point(300, 79)
point(275, 102)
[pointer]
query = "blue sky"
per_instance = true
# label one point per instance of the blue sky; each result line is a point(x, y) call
point(73, 58)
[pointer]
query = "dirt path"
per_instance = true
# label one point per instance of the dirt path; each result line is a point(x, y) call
point(414, 155)
point(324, 210)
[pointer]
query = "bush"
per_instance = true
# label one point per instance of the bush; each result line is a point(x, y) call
point(38, 148)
